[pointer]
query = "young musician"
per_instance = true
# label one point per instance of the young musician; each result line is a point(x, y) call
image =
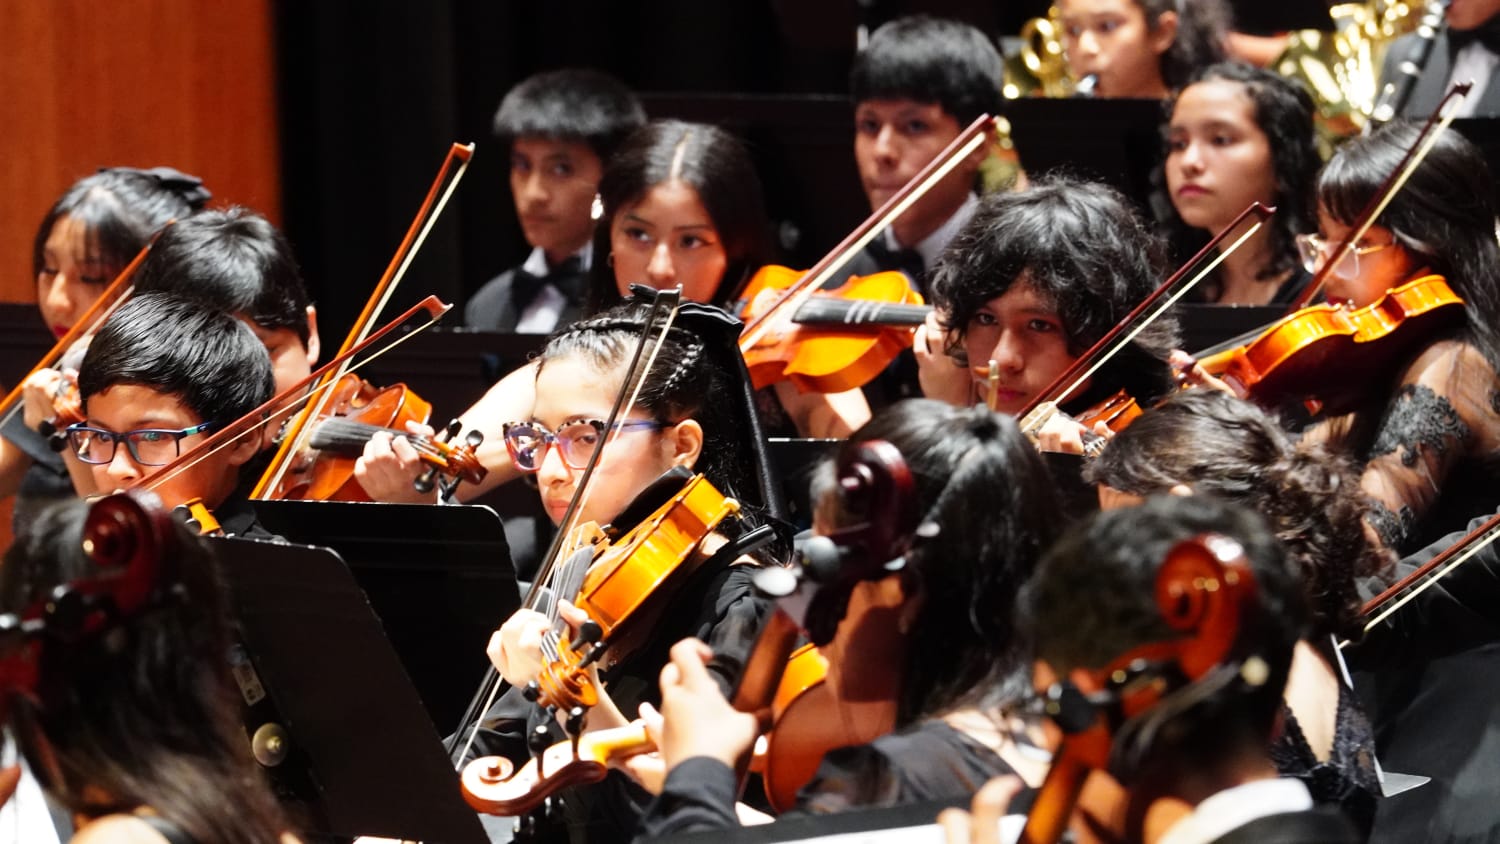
point(1237, 135)
point(162, 374)
point(682, 205)
point(1141, 48)
point(84, 242)
point(695, 411)
point(1203, 747)
point(235, 260)
point(933, 641)
point(1425, 433)
point(915, 87)
point(135, 729)
point(561, 127)
point(1206, 442)
point(1031, 283)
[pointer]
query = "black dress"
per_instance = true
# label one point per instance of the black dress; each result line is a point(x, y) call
point(928, 761)
point(1347, 779)
point(719, 605)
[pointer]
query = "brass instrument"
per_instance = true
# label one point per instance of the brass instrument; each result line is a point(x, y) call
point(1340, 67)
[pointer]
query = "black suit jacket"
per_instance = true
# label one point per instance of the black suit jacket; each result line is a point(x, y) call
point(1433, 83)
point(493, 307)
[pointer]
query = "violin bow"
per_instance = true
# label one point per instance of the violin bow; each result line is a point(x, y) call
point(449, 174)
point(1432, 129)
point(1387, 603)
point(1138, 320)
point(664, 308)
point(316, 384)
point(108, 302)
point(797, 295)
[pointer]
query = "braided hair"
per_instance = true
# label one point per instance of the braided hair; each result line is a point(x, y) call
point(698, 373)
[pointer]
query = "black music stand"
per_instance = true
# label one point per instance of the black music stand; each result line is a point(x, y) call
point(1114, 141)
point(361, 756)
point(439, 578)
point(1206, 326)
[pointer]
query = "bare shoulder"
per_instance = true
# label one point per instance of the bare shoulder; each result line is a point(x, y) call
point(1445, 359)
point(118, 829)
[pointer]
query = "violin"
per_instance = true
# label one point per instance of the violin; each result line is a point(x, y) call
point(857, 329)
point(356, 410)
point(1292, 358)
point(837, 339)
point(314, 385)
point(1109, 716)
point(625, 587)
point(300, 469)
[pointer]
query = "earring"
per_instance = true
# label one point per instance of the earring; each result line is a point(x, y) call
point(596, 210)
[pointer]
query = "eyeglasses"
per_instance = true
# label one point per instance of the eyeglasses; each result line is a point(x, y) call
point(577, 441)
point(1314, 251)
point(147, 446)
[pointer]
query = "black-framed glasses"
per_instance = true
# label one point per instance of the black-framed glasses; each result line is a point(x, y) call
point(576, 441)
point(147, 446)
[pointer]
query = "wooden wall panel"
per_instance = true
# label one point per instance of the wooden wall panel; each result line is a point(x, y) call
point(90, 83)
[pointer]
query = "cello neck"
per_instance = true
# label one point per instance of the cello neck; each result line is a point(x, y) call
point(830, 310)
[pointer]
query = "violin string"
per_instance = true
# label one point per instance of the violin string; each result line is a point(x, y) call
point(158, 478)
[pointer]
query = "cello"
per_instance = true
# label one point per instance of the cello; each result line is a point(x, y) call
point(1205, 591)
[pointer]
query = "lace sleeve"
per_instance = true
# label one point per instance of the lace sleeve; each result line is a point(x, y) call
point(1439, 415)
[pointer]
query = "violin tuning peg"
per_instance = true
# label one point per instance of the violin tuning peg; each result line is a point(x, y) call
point(590, 633)
point(573, 726)
point(532, 692)
point(451, 429)
point(475, 438)
point(424, 482)
point(538, 740)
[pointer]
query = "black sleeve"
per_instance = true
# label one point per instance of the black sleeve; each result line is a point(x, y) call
point(699, 794)
point(1460, 611)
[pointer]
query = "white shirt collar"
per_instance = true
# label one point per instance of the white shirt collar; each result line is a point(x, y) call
point(932, 246)
point(536, 262)
point(1232, 808)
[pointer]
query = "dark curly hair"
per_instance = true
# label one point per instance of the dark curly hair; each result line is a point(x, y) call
point(1283, 110)
point(988, 492)
point(1444, 216)
point(1224, 446)
point(1081, 246)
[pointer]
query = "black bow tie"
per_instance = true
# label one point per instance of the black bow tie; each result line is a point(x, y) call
point(908, 261)
point(567, 277)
